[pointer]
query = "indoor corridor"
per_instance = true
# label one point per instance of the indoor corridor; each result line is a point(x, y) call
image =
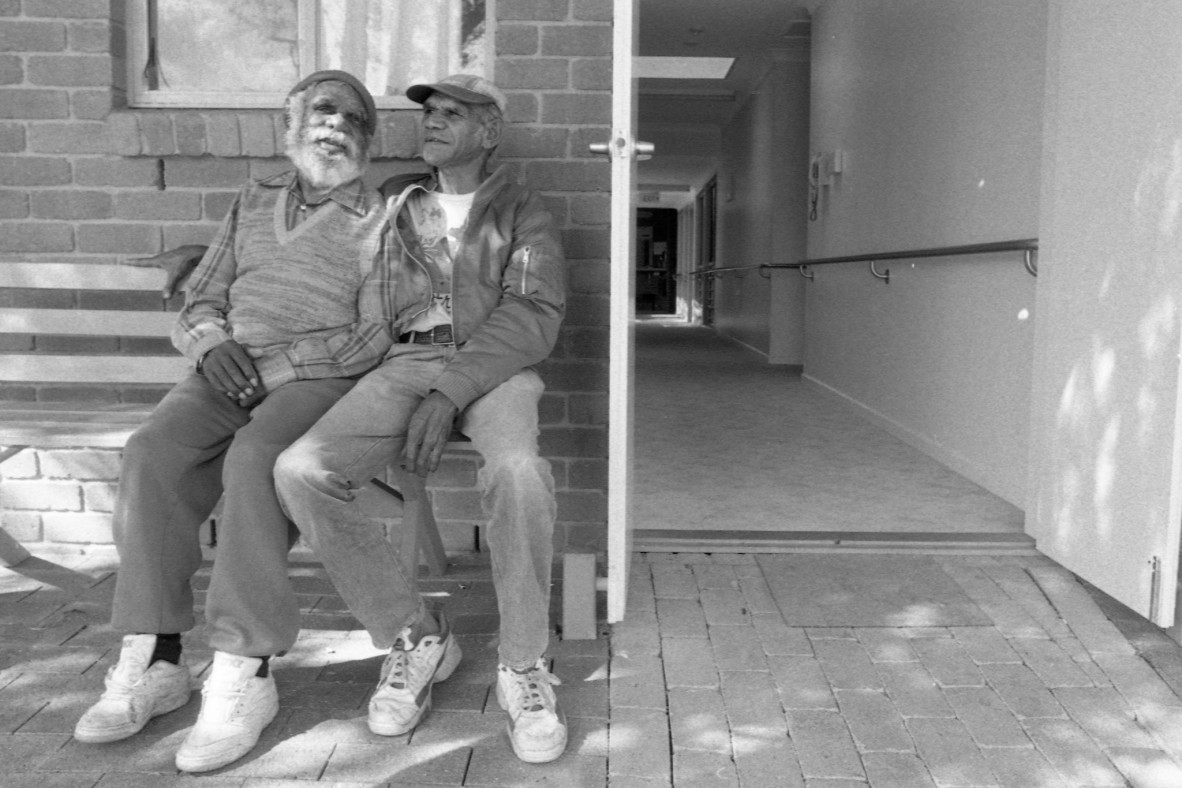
point(746, 454)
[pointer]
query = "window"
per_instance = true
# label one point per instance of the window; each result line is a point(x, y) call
point(231, 53)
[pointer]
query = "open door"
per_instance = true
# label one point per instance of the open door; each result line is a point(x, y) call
point(622, 150)
point(1106, 438)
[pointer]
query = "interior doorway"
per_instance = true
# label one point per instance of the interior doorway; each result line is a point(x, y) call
point(656, 261)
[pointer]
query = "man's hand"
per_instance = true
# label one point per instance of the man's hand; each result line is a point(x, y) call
point(178, 263)
point(230, 371)
point(427, 434)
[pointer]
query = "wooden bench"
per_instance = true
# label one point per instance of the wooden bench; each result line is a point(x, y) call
point(84, 357)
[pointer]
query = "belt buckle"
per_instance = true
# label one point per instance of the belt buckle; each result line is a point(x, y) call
point(441, 335)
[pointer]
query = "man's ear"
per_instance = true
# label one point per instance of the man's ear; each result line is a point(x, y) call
point(494, 128)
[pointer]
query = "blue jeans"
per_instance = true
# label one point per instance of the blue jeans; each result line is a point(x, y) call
point(363, 433)
point(196, 445)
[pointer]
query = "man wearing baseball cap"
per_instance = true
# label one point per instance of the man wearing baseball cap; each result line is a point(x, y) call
point(479, 300)
point(280, 316)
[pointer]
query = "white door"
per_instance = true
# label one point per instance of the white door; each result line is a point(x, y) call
point(1105, 440)
point(622, 150)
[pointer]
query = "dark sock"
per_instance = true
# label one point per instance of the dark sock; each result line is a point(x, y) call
point(264, 669)
point(168, 648)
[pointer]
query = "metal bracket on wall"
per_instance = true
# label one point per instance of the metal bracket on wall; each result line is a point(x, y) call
point(885, 276)
point(806, 273)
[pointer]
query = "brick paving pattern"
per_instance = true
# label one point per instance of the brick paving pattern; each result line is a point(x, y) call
point(703, 684)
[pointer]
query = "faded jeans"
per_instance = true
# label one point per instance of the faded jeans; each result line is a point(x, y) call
point(196, 444)
point(316, 479)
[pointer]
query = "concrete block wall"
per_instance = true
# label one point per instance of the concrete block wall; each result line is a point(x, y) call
point(84, 178)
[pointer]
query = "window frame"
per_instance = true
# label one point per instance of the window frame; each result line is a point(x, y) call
point(141, 97)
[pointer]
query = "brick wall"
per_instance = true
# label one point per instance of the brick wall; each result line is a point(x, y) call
point(85, 179)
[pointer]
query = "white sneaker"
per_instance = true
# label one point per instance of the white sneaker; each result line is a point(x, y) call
point(403, 694)
point(537, 728)
point(135, 693)
point(235, 707)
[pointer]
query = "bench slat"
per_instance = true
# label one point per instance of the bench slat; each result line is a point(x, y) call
point(80, 276)
point(88, 322)
point(23, 368)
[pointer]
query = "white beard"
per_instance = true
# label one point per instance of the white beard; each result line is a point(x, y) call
point(322, 170)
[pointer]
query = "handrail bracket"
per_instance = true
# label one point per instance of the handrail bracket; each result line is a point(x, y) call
point(885, 276)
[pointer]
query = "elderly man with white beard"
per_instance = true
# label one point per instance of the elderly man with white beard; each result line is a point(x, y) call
point(283, 314)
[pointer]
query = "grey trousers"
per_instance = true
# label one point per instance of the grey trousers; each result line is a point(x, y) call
point(196, 445)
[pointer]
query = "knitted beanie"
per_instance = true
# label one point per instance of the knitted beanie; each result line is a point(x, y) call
point(371, 113)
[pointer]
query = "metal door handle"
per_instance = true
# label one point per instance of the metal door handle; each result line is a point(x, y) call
point(641, 150)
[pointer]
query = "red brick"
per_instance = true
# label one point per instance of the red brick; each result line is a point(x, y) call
point(221, 134)
point(570, 176)
point(574, 442)
point(586, 244)
point(532, 10)
point(71, 204)
point(149, 205)
point(571, 40)
point(587, 310)
point(89, 36)
point(75, 137)
point(30, 104)
point(552, 409)
point(592, 10)
point(13, 204)
point(397, 136)
point(29, 36)
point(119, 238)
point(37, 495)
point(70, 70)
point(12, 137)
point(587, 474)
point(516, 73)
point(206, 171)
point(10, 7)
point(36, 237)
point(131, 173)
point(12, 70)
point(99, 496)
point(156, 135)
point(517, 40)
point(591, 209)
point(579, 109)
point(581, 506)
point(582, 139)
point(589, 277)
point(258, 133)
point(69, 9)
point(91, 104)
point(585, 536)
point(25, 527)
point(556, 207)
point(457, 505)
point(587, 342)
point(124, 130)
point(78, 528)
point(21, 466)
point(531, 142)
point(217, 205)
point(523, 108)
point(79, 464)
point(190, 133)
point(265, 168)
point(180, 234)
point(591, 74)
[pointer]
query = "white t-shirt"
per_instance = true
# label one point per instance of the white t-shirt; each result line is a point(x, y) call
point(440, 220)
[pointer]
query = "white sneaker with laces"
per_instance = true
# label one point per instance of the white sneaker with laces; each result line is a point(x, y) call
point(135, 693)
point(235, 707)
point(403, 694)
point(537, 728)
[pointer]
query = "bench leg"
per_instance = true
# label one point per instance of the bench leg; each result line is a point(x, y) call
point(420, 531)
point(11, 551)
point(578, 596)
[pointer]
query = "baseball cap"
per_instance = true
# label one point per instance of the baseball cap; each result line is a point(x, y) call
point(467, 88)
point(330, 75)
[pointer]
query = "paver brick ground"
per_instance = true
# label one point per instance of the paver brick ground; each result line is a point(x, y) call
point(703, 684)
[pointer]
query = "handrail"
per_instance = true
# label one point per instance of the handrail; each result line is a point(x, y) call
point(1028, 246)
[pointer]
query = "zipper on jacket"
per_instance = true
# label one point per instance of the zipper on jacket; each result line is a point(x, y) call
point(525, 270)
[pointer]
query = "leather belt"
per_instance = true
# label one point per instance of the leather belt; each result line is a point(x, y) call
point(439, 335)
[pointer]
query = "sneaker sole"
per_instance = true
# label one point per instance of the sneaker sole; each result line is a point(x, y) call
point(108, 735)
point(538, 756)
point(207, 762)
point(451, 659)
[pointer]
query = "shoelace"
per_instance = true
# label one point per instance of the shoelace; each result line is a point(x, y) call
point(397, 677)
point(529, 693)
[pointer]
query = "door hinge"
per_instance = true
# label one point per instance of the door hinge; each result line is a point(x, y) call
point(1155, 588)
